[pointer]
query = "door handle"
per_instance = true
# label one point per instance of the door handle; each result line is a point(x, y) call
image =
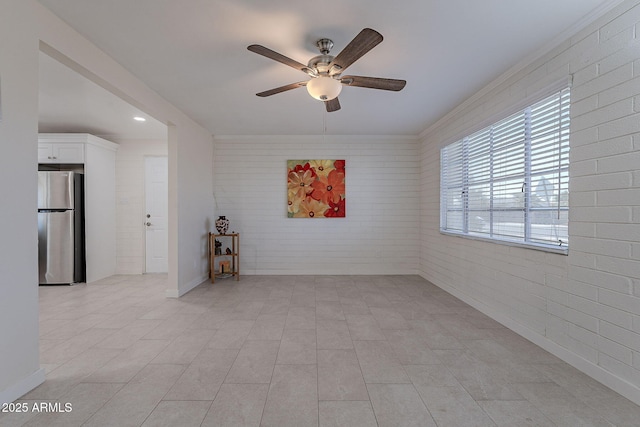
point(148, 224)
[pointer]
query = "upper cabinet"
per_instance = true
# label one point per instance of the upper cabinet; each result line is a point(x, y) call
point(69, 148)
point(60, 152)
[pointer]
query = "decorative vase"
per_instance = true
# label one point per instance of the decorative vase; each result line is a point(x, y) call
point(222, 224)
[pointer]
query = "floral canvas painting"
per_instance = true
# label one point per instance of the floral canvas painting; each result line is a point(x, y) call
point(316, 189)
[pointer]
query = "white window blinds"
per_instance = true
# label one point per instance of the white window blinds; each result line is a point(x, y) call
point(510, 181)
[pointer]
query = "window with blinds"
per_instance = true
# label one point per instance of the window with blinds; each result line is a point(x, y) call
point(510, 181)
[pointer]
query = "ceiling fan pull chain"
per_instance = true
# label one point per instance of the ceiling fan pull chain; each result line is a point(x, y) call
point(324, 124)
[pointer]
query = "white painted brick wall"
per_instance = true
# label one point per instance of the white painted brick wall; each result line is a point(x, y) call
point(584, 306)
point(380, 234)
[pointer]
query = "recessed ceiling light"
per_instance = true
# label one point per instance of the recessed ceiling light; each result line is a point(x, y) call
point(139, 119)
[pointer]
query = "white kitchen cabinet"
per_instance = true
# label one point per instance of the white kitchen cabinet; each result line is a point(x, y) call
point(60, 152)
point(99, 159)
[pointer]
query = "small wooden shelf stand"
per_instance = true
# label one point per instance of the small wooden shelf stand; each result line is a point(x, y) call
point(234, 240)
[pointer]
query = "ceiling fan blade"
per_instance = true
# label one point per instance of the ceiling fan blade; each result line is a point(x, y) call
point(366, 40)
point(374, 82)
point(281, 89)
point(332, 105)
point(271, 54)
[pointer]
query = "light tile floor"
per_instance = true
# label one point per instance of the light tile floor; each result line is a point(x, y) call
point(298, 351)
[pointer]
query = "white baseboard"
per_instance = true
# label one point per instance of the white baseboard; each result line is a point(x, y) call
point(596, 372)
point(177, 293)
point(22, 387)
point(172, 293)
point(363, 271)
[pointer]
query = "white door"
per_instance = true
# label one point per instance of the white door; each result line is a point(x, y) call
point(156, 202)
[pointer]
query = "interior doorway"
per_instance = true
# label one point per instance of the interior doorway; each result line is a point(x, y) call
point(69, 101)
point(156, 185)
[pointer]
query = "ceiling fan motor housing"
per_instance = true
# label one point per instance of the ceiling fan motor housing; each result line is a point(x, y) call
point(320, 63)
point(323, 87)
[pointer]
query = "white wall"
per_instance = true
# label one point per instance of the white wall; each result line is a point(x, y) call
point(19, 365)
point(379, 234)
point(130, 201)
point(584, 307)
point(192, 150)
point(23, 25)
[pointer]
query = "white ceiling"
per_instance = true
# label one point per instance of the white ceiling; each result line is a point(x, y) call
point(193, 53)
point(71, 103)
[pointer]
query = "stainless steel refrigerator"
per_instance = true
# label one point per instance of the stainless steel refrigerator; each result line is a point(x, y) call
point(61, 247)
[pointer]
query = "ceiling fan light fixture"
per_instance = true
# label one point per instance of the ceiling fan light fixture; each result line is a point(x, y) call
point(324, 88)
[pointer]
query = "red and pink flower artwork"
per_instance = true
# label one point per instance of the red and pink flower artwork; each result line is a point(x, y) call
point(316, 189)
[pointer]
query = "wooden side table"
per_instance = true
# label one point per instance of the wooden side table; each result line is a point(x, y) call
point(232, 256)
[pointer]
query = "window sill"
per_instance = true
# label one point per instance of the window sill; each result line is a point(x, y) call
point(537, 247)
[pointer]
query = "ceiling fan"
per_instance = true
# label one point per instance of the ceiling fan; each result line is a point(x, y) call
point(326, 70)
